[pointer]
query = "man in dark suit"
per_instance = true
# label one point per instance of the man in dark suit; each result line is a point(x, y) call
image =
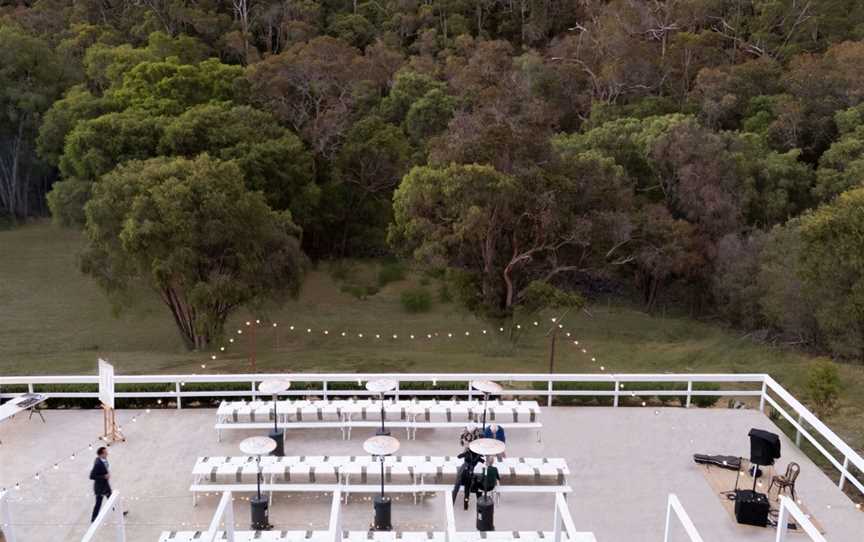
point(100, 476)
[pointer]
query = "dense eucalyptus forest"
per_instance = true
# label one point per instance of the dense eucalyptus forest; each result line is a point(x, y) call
point(704, 154)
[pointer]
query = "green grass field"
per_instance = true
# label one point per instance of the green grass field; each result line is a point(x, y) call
point(54, 320)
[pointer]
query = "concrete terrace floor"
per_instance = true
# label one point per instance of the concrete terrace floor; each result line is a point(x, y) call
point(623, 464)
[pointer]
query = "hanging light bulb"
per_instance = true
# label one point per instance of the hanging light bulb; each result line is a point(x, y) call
point(275, 324)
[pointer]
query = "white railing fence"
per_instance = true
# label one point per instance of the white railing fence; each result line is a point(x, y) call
point(789, 508)
point(800, 418)
point(612, 386)
point(674, 506)
point(112, 507)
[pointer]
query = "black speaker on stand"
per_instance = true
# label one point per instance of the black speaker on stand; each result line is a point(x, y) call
point(764, 449)
point(485, 513)
point(382, 514)
point(260, 516)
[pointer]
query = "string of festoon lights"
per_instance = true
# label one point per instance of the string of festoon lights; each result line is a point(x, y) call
point(419, 336)
point(568, 335)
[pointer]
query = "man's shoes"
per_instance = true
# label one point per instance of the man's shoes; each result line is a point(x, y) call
point(125, 513)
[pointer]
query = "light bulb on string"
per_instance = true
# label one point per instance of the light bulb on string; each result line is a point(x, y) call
point(257, 321)
point(239, 332)
point(275, 324)
point(248, 323)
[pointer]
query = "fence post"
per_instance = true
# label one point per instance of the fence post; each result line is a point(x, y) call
point(689, 393)
point(798, 431)
point(177, 393)
point(615, 400)
point(843, 472)
point(549, 394)
point(29, 387)
point(254, 391)
point(782, 522)
point(762, 397)
point(324, 389)
point(397, 390)
point(668, 518)
point(556, 523)
point(121, 521)
point(470, 391)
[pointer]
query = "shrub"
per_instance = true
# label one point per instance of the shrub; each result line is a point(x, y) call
point(705, 401)
point(424, 281)
point(391, 272)
point(416, 300)
point(823, 387)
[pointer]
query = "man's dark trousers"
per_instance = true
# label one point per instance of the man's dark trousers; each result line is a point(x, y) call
point(98, 506)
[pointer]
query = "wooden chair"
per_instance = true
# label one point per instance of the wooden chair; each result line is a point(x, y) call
point(786, 481)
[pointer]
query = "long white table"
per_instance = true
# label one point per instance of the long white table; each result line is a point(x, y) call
point(416, 475)
point(346, 414)
point(25, 401)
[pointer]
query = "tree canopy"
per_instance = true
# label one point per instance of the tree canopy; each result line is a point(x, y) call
point(192, 231)
point(666, 151)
